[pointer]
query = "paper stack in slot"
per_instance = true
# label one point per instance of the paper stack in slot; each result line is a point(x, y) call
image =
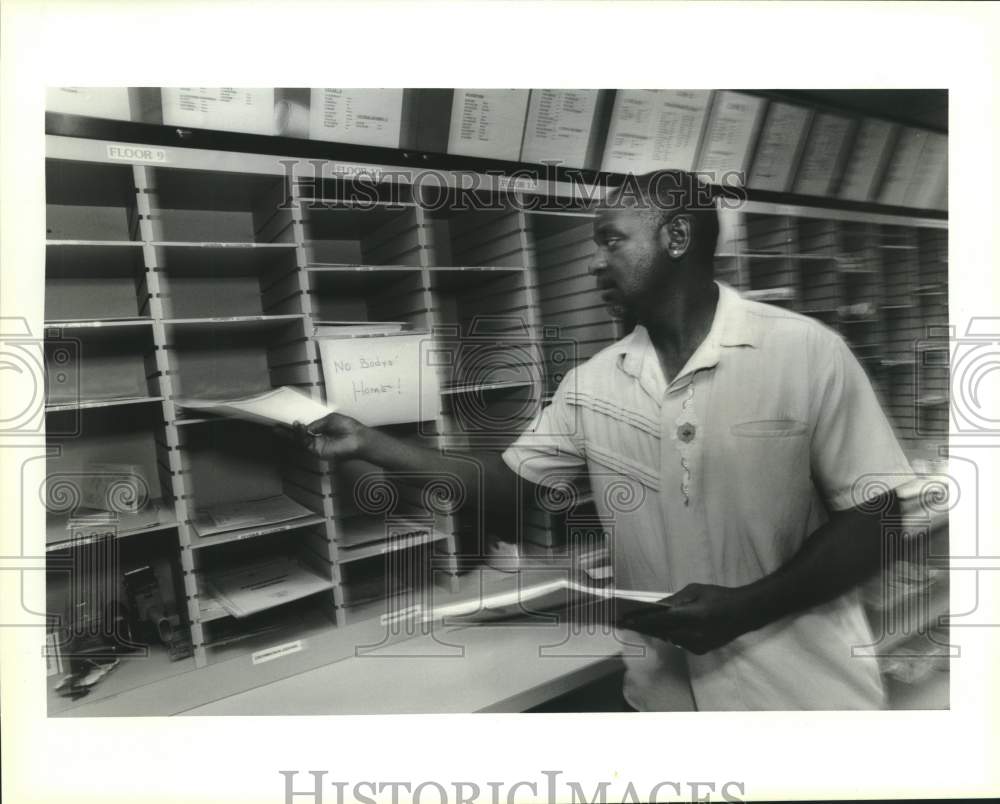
point(248, 514)
point(263, 584)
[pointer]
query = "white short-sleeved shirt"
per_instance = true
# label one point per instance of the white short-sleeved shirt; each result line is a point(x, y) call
point(718, 477)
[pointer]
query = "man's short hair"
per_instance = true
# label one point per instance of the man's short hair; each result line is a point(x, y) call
point(666, 193)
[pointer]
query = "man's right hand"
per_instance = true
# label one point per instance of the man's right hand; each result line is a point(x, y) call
point(333, 436)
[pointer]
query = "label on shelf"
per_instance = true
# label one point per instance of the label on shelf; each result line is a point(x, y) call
point(136, 153)
point(277, 652)
point(488, 123)
point(655, 129)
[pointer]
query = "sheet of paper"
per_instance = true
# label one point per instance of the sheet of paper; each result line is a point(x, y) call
point(245, 590)
point(246, 513)
point(546, 595)
point(220, 108)
point(777, 147)
point(560, 122)
point(283, 405)
point(487, 123)
point(111, 103)
point(867, 154)
point(822, 154)
point(930, 173)
point(731, 130)
point(653, 129)
point(360, 116)
point(386, 379)
point(902, 166)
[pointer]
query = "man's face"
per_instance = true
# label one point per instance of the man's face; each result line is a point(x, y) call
point(629, 260)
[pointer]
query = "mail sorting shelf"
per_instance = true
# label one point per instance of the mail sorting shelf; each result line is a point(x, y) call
point(90, 201)
point(568, 297)
point(261, 574)
point(85, 575)
point(110, 509)
point(487, 325)
point(367, 265)
point(872, 278)
point(95, 281)
point(933, 370)
point(881, 281)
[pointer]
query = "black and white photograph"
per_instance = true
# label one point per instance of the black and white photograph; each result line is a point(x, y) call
point(685, 435)
point(637, 408)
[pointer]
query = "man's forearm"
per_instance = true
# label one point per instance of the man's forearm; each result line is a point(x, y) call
point(475, 471)
point(838, 556)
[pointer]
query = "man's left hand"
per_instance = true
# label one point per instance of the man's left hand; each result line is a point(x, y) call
point(699, 618)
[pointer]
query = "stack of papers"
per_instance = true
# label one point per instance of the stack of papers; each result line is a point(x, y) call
point(262, 585)
point(89, 525)
point(554, 595)
point(281, 406)
point(248, 514)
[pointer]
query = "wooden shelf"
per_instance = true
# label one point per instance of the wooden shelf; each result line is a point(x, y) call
point(250, 532)
point(247, 323)
point(347, 267)
point(159, 517)
point(92, 244)
point(87, 404)
point(348, 554)
point(298, 623)
point(237, 247)
point(212, 610)
point(98, 323)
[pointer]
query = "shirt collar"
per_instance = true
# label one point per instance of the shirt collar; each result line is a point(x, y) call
point(732, 325)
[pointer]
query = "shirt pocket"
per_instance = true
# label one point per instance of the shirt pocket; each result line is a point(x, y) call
point(769, 428)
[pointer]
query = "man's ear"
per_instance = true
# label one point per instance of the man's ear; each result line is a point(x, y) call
point(677, 235)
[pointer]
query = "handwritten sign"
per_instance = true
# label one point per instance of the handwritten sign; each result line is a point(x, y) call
point(380, 379)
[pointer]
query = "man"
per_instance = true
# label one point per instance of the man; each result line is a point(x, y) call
point(745, 435)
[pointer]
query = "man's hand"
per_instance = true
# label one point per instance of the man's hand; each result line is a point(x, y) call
point(333, 436)
point(699, 618)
